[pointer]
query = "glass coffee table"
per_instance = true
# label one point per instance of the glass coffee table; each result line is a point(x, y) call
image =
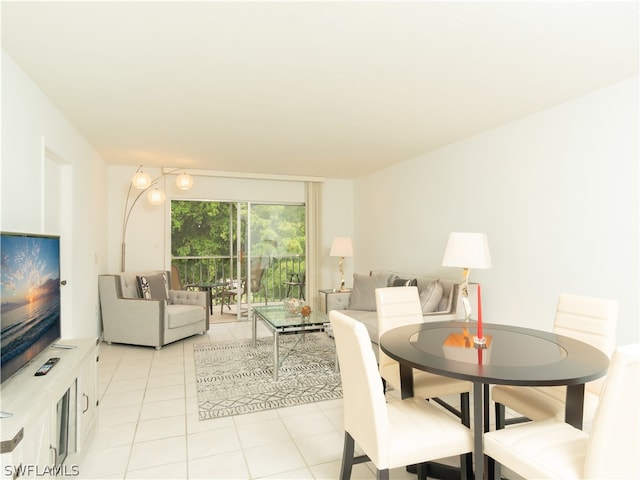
point(279, 321)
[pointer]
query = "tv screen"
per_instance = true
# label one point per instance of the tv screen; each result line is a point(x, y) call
point(29, 298)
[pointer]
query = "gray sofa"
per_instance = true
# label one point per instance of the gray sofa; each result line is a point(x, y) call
point(439, 298)
point(139, 308)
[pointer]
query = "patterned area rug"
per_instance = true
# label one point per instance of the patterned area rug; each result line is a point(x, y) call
point(235, 377)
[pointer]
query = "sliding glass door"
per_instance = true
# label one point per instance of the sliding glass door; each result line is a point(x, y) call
point(256, 248)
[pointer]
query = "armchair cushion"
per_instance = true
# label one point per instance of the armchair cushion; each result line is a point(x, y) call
point(182, 315)
point(154, 287)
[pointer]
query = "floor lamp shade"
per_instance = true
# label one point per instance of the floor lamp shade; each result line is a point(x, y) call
point(184, 181)
point(155, 196)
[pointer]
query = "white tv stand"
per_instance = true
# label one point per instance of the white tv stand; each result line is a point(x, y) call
point(30, 443)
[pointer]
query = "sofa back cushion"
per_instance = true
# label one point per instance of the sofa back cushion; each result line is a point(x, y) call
point(433, 291)
point(363, 295)
point(404, 282)
point(430, 297)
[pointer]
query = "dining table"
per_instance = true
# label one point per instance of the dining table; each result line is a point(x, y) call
point(511, 355)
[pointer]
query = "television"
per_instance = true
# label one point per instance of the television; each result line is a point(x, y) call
point(29, 298)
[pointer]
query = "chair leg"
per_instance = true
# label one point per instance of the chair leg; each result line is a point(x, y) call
point(500, 414)
point(466, 459)
point(347, 457)
point(465, 412)
point(493, 467)
point(382, 474)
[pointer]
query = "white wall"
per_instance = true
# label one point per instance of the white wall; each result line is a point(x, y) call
point(336, 218)
point(557, 193)
point(32, 125)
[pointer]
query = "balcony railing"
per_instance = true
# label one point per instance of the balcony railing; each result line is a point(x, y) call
point(212, 269)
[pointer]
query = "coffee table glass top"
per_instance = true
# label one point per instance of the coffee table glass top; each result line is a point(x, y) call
point(279, 317)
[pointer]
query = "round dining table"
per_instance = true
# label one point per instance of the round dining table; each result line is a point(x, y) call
point(512, 356)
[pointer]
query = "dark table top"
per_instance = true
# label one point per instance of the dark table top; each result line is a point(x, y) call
point(514, 356)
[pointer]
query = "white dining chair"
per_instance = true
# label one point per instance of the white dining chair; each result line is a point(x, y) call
point(392, 433)
point(399, 306)
point(588, 319)
point(554, 449)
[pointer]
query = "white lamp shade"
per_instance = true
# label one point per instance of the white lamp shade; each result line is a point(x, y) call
point(467, 250)
point(141, 180)
point(341, 247)
point(155, 196)
point(184, 181)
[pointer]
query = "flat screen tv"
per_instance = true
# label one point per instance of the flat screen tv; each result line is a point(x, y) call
point(29, 298)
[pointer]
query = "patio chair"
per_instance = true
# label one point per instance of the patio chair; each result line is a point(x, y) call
point(229, 295)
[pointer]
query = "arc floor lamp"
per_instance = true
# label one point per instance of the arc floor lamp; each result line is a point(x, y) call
point(143, 182)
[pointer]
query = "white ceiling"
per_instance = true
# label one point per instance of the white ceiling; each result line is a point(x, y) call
point(335, 89)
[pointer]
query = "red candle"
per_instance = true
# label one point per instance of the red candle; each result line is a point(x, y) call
point(479, 313)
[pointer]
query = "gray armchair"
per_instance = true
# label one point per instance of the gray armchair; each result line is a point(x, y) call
point(148, 312)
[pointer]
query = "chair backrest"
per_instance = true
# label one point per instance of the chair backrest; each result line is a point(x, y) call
point(590, 320)
point(612, 450)
point(257, 274)
point(396, 307)
point(176, 283)
point(365, 411)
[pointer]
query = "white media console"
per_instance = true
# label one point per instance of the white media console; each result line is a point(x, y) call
point(52, 417)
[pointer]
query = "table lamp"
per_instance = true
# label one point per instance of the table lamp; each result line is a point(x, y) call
point(467, 251)
point(341, 247)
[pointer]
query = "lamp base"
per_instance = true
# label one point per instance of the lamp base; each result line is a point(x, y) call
point(480, 342)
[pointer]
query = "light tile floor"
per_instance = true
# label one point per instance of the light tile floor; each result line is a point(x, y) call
point(148, 424)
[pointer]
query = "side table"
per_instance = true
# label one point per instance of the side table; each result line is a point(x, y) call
point(323, 298)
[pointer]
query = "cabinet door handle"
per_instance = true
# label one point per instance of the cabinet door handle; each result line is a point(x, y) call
point(55, 454)
point(86, 399)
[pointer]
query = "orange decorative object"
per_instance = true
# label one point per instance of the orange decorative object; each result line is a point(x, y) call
point(461, 340)
point(305, 311)
point(457, 340)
